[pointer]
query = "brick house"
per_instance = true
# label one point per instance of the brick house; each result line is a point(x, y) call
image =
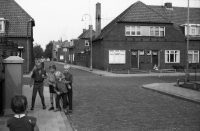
point(144, 36)
point(16, 26)
point(72, 50)
point(60, 51)
point(56, 46)
point(81, 48)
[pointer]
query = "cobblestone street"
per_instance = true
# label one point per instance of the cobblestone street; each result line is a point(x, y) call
point(120, 104)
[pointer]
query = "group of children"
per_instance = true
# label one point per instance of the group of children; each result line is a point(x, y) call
point(60, 86)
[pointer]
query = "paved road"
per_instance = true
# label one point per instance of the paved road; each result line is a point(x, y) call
point(120, 104)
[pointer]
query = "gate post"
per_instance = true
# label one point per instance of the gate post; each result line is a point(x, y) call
point(13, 80)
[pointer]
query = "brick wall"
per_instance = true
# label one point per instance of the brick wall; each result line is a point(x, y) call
point(115, 39)
point(23, 42)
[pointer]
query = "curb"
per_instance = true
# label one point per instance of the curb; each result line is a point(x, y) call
point(173, 95)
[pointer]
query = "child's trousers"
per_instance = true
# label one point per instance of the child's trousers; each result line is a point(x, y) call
point(65, 102)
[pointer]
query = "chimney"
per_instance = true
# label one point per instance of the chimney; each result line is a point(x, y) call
point(90, 27)
point(98, 20)
point(168, 5)
point(84, 30)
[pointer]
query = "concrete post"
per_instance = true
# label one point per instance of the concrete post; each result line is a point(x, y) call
point(13, 80)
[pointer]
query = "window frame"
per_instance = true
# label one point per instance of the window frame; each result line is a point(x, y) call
point(159, 31)
point(193, 54)
point(116, 56)
point(87, 43)
point(130, 29)
point(176, 60)
point(2, 23)
point(193, 27)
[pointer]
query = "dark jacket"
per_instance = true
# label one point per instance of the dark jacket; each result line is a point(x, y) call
point(37, 75)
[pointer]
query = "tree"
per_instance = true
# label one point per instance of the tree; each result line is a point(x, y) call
point(38, 51)
point(48, 50)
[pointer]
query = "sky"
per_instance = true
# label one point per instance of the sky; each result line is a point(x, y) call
point(56, 19)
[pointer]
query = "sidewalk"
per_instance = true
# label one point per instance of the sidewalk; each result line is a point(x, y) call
point(46, 120)
point(172, 90)
point(109, 74)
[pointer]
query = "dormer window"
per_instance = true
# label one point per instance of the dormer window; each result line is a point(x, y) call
point(194, 29)
point(87, 43)
point(2, 25)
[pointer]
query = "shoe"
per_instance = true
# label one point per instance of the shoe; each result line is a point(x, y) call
point(65, 111)
point(57, 110)
point(69, 111)
point(51, 108)
point(32, 108)
point(44, 107)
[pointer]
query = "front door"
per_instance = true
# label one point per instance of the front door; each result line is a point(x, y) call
point(134, 59)
point(155, 58)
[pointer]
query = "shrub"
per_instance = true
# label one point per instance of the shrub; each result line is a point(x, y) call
point(181, 67)
point(194, 65)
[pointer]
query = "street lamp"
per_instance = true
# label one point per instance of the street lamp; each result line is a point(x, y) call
point(90, 39)
point(187, 62)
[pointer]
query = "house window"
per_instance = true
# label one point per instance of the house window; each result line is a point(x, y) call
point(132, 30)
point(157, 31)
point(172, 56)
point(194, 30)
point(2, 25)
point(193, 56)
point(148, 52)
point(61, 57)
point(141, 52)
point(117, 56)
point(87, 43)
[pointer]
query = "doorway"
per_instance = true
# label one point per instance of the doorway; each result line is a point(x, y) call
point(155, 58)
point(134, 59)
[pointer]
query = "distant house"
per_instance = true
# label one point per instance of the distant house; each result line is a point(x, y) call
point(72, 50)
point(82, 48)
point(16, 26)
point(143, 36)
point(56, 46)
point(60, 51)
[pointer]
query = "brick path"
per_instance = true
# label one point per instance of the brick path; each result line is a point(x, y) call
point(46, 120)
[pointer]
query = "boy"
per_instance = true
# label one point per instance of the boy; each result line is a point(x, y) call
point(38, 76)
point(61, 91)
point(51, 82)
point(69, 80)
point(20, 121)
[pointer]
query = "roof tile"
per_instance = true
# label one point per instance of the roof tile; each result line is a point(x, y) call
point(17, 19)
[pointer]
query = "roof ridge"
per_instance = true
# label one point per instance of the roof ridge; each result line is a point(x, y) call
point(21, 8)
point(133, 5)
point(129, 9)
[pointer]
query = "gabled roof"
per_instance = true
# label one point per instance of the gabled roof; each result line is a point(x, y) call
point(16, 19)
point(86, 34)
point(179, 15)
point(141, 13)
point(58, 43)
point(65, 45)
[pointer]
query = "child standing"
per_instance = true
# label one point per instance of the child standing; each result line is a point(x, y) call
point(69, 80)
point(20, 121)
point(61, 91)
point(51, 82)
